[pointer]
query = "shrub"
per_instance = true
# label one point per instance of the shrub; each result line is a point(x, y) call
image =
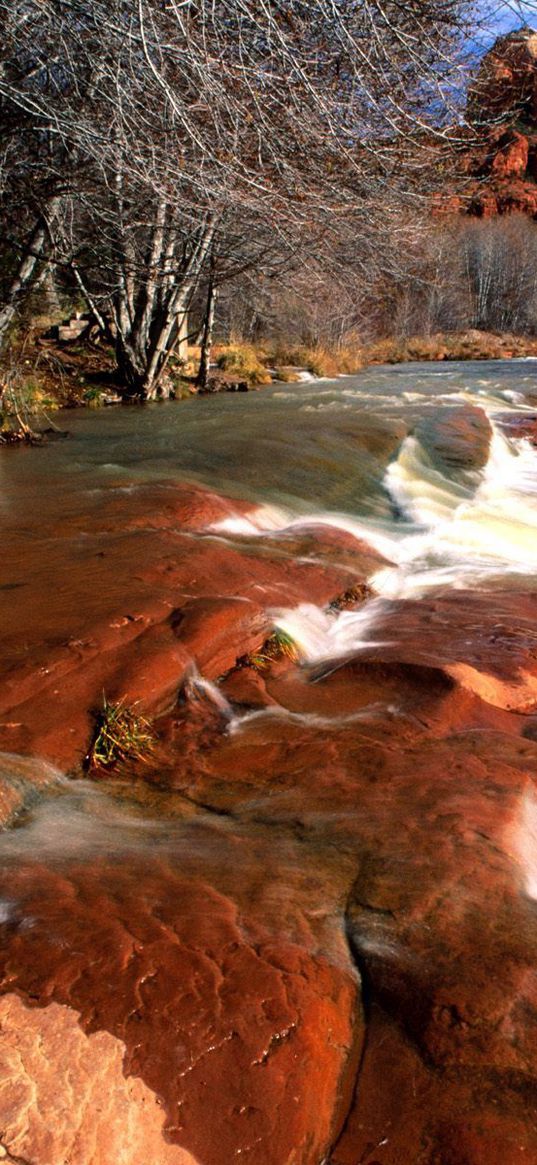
point(243, 362)
point(93, 397)
point(22, 397)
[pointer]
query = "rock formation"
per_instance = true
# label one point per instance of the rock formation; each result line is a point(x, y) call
point(501, 165)
point(505, 89)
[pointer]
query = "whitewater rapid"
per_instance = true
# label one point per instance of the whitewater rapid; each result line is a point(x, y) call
point(455, 530)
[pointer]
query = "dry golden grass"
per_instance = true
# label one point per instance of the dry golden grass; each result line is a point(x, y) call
point(352, 597)
point(243, 361)
point(470, 345)
point(317, 360)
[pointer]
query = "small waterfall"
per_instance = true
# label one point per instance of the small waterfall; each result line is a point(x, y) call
point(270, 520)
point(196, 684)
point(420, 491)
point(460, 531)
point(467, 538)
point(322, 635)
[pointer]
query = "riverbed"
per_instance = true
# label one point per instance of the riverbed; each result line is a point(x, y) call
point(304, 930)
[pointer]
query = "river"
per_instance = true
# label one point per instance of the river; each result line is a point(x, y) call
point(305, 930)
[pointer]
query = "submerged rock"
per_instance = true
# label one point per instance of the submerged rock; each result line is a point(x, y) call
point(459, 438)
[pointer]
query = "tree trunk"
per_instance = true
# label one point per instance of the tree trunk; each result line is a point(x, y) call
point(146, 340)
point(207, 340)
point(28, 269)
point(181, 346)
point(132, 371)
point(51, 297)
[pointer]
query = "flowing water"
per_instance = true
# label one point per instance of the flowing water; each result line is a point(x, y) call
point(115, 884)
point(347, 453)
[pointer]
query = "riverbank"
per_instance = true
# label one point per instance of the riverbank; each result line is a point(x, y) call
point(44, 375)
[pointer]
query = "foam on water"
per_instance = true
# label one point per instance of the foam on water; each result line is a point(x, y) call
point(311, 719)
point(260, 521)
point(268, 520)
point(22, 770)
point(465, 538)
point(463, 530)
point(322, 635)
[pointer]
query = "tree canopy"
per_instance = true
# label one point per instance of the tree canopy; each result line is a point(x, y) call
point(145, 143)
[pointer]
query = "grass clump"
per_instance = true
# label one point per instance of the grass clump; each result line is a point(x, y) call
point(121, 734)
point(470, 345)
point(279, 645)
point(359, 593)
point(287, 374)
point(316, 359)
point(243, 362)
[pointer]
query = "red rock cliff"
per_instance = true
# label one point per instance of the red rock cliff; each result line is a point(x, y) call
point(501, 166)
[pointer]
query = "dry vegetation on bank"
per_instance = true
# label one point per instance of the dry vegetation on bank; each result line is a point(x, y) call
point(41, 375)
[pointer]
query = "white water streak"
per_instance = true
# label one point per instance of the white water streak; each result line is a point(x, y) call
point(465, 539)
point(459, 531)
point(524, 842)
point(322, 635)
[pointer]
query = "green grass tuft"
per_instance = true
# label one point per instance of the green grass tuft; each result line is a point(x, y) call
point(121, 734)
point(279, 645)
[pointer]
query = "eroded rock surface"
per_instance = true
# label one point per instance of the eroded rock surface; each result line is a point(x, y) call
point(192, 975)
point(306, 929)
point(149, 595)
point(64, 1095)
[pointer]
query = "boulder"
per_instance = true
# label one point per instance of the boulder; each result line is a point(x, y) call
point(459, 438)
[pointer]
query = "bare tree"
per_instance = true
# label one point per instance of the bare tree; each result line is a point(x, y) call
point(241, 129)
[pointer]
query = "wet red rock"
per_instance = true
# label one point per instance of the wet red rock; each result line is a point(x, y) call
point(239, 1023)
point(485, 643)
point(520, 427)
point(460, 439)
point(307, 936)
point(438, 829)
point(146, 599)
